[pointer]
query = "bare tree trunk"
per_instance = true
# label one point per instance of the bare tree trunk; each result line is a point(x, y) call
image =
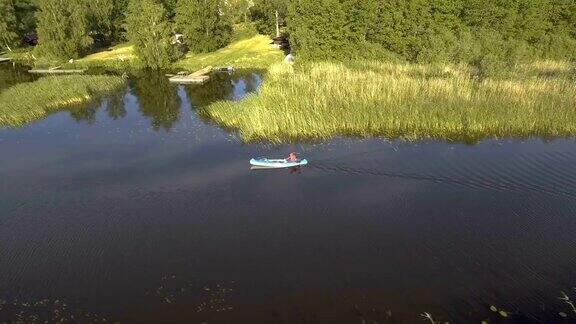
point(277, 25)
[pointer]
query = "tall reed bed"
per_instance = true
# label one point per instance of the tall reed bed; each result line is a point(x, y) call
point(320, 100)
point(26, 102)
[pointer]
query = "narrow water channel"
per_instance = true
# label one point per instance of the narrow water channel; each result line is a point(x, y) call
point(13, 74)
point(136, 209)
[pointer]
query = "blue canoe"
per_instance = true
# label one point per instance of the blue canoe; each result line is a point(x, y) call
point(277, 163)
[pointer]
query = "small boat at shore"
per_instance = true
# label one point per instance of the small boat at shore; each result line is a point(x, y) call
point(277, 163)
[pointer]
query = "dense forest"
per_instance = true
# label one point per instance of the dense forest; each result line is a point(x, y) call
point(481, 32)
point(71, 28)
point(485, 33)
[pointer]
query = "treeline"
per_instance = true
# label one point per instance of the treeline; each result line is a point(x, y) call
point(70, 28)
point(17, 20)
point(485, 33)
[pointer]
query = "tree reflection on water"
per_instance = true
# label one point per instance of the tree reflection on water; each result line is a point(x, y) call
point(157, 99)
point(85, 113)
point(115, 106)
point(13, 74)
point(223, 86)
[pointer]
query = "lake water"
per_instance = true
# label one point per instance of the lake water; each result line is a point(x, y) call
point(136, 209)
point(11, 74)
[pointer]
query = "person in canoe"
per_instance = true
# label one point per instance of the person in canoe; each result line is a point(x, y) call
point(292, 157)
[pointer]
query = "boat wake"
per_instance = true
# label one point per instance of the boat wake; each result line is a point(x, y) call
point(546, 175)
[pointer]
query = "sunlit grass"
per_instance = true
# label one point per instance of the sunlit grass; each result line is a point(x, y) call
point(118, 57)
point(251, 53)
point(364, 99)
point(120, 52)
point(26, 102)
point(243, 31)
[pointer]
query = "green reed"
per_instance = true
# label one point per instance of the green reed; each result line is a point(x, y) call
point(364, 99)
point(30, 101)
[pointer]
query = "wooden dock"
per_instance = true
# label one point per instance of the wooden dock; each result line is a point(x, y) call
point(199, 77)
point(57, 71)
point(5, 59)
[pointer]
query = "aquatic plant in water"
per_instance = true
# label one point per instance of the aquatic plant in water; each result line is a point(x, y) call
point(26, 102)
point(364, 99)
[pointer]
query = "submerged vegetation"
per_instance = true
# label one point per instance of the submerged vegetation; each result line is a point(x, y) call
point(319, 100)
point(26, 102)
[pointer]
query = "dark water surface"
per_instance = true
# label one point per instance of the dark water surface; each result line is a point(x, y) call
point(12, 74)
point(138, 210)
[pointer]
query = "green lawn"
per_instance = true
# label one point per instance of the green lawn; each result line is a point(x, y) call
point(119, 56)
point(250, 53)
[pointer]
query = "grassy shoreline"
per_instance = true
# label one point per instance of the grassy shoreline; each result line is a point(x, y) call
point(311, 101)
point(26, 102)
point(366, 99)
point(31, 101)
